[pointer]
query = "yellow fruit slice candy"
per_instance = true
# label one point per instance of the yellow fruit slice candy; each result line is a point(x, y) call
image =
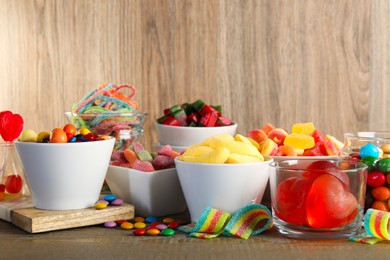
point(218, 156)
point(303, 128)
point(299, 141)
point(225, 137)
point(236, 147)
point(239, 158)
point(197, 150)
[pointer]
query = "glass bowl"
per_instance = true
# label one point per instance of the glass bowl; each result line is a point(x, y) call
point(126, 128)
point(318, 199)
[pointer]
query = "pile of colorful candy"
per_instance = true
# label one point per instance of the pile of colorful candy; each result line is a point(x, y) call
point(378, 178)
point(139, 158)
point(150, 225)
point(197, 114)
point(304, 140)
point(108, 111)
point(321, 195)
point(66, 134)
point(223, 148)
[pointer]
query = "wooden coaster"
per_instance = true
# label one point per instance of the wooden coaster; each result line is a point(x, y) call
point(33, 220)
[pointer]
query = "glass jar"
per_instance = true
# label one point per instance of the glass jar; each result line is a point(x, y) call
point(13, 183)
point(378, 178)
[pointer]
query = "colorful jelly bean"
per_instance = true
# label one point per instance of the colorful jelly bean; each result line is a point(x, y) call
point(109, 197)
point(173, 224)
point(139, 219)
point(161, 226)
point(100, 205)
point(110, 224)
point(153, 232)
point(127, 225)
point(116, 202)
point(139, 225)
point(151, 219)
point(139, 232)
point(168, 220)
point(168, 232)
point(369, 150)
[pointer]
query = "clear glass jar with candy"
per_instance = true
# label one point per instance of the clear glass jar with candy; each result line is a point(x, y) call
point(373, 149)
point(12, 179)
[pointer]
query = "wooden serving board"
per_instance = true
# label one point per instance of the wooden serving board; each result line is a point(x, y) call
point(35, 220)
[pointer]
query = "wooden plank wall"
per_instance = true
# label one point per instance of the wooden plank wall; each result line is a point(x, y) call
point(278, 61)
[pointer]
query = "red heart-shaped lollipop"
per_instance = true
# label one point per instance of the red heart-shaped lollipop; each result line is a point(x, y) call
point(328, 204)
point(11, 125)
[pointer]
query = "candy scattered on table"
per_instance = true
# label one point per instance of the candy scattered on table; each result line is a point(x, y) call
point(196, 114)
point(223, 148)
point(304, 139)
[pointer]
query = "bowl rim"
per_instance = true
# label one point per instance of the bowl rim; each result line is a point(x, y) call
point(274, 165)
point(268, 161)
point(69, 113)
point(109, 138)
point(234, 124)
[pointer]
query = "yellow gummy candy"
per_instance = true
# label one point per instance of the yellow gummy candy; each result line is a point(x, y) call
point(225, 137)
point(303, 128)
point(236, 147)
point(217, 156)
point(239, 158)
point(197, 150)
point(299, 141)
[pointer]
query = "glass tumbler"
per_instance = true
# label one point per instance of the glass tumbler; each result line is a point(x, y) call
point(318, 199)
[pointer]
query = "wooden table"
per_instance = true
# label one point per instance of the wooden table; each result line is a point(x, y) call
point(97, 242)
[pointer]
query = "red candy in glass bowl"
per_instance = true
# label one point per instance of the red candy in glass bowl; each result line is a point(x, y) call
point(317, 199)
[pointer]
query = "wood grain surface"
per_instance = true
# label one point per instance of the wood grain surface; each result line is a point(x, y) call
point(97, 242)
point(263, 60)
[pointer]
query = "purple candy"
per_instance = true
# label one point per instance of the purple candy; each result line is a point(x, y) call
point(161, 227)
point(116, 202)
point(110, 224)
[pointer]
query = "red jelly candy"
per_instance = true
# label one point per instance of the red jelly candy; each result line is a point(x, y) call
point(319, 168)
point(139, 232)
point(329, 205)
point(13, 184)
point(291, 198)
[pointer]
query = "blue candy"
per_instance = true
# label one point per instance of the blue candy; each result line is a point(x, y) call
point(151, 219)
point(369, 150)
point(109, 197)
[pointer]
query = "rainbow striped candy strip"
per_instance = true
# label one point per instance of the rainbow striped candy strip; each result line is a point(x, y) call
point(246, 222)
point(376, 225)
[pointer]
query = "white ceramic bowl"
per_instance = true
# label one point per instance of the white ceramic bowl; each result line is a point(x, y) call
point(65, 176)
point(152, 193)
point(186, 136)
point(227, 187)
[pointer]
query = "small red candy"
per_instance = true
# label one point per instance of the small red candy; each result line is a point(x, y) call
point(376, 179)
point(13, 184)
point(139, 232)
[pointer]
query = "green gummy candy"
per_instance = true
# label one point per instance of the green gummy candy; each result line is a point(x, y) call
point(144, 156)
